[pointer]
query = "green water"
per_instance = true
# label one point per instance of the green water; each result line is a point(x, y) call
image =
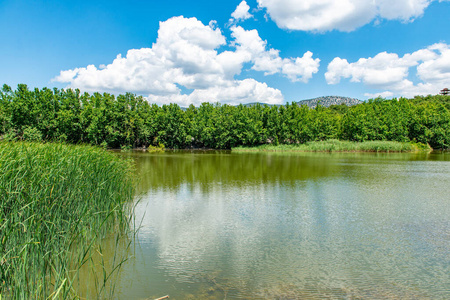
point(218, 225)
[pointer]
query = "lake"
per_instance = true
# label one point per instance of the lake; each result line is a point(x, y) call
point(217, 224)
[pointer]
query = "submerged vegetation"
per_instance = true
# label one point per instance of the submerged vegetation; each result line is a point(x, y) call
point(129, 121)
point(56, 202)
point(339, 146)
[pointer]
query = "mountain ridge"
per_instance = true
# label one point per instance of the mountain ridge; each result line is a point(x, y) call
point(325, 101)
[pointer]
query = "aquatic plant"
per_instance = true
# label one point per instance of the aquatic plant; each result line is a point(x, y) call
point(339, 146)
point(56, 203)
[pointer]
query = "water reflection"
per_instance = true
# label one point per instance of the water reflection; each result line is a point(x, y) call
point(291, 226)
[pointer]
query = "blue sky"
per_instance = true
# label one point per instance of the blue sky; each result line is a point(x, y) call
point(189, 52)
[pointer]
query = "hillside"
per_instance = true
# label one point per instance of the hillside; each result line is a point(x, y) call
point(256, 103)
point(326, 101)
point(329, 100)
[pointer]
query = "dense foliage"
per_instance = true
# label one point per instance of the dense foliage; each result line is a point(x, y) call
point(130, 121)
point(55, 202)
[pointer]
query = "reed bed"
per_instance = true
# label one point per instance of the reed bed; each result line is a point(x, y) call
point(338, 146)
point(56, 203)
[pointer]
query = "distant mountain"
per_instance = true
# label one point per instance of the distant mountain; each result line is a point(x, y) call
point(256, 103)
point(326, 101)
point(329, 100)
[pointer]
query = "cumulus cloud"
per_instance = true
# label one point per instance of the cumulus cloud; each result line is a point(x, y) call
point(234, 92)
point(385, 94)
point(185, 57)
point(249, 44)
point(343, 15)
point(241, 12)
point(391, 74)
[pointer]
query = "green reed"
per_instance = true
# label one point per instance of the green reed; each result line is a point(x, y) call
point(56, 203)
point(339, 146)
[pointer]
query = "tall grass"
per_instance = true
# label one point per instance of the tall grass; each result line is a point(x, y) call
point(338, 146)
point(56, 203)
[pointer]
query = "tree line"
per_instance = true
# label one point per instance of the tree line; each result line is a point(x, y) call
point(130, 121)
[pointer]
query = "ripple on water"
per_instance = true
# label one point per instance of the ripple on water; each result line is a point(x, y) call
point(321, 227)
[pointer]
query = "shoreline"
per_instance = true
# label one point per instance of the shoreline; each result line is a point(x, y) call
point(342, 146)
point(334, 146)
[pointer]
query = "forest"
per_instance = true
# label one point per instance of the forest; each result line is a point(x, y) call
point(129, 121)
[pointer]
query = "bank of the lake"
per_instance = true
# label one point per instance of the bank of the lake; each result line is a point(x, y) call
point(339, 146)
point(56, 202)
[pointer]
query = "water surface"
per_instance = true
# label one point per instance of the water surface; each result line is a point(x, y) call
point(218, 225)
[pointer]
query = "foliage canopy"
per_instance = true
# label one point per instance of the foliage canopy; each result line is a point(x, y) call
point(130, 121)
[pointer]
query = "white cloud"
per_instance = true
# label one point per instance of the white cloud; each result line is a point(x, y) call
point(235, 92)
point(385, 94)
point(241, 12)
point(343, 15)
point(405, 10)
point(250, 44)
point(391, 73)
point(185, 57)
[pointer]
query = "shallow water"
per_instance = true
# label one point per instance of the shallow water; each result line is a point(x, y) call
point(218, 225)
